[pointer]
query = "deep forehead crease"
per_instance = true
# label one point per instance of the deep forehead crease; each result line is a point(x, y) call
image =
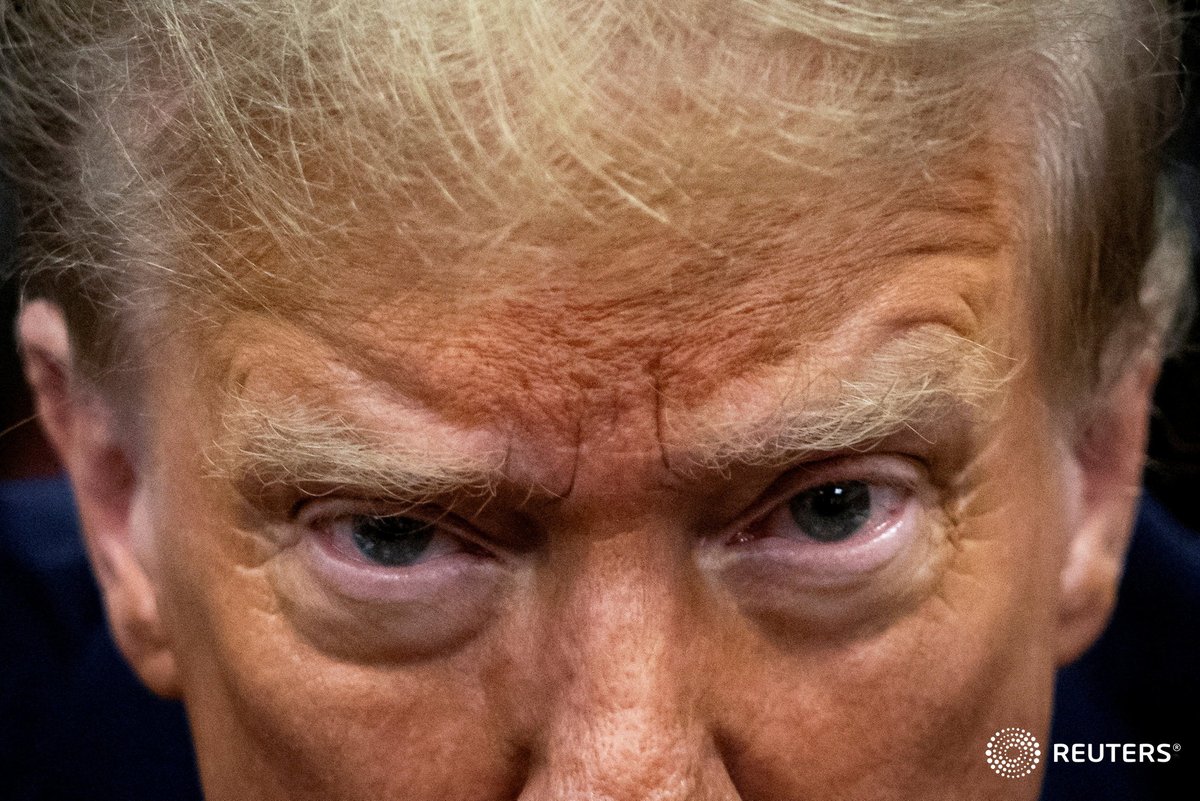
point(373, 441)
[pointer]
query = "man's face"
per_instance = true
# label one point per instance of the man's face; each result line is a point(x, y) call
point(643, 521)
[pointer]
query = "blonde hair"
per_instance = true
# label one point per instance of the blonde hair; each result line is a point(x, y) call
point(152, 139)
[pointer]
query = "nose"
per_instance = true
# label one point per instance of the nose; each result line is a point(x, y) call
point(624, 674)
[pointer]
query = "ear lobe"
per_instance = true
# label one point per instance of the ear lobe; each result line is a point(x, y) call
point(130, 598)
point(1106, 470)
point(83, 430)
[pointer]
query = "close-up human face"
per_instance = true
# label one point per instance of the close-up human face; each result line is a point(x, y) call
point(527, 399)
point(624, 523)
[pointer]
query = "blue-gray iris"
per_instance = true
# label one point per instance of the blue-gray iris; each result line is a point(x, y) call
point(832, 512)
point(394, 541)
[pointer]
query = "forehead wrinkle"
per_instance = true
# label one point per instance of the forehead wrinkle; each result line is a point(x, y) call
point(923, 377)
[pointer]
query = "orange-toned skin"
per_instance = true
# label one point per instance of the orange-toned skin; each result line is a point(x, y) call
point(624, 647)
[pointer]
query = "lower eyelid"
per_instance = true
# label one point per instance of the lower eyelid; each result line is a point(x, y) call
point(843, 592)
point(357, 612)
point(886, 501)
point(356, 578)
point(828, 564)
point(342, 542)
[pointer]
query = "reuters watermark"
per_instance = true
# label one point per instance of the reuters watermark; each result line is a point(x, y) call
point(1014, 752)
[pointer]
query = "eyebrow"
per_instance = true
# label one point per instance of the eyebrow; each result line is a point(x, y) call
point(914, 382)
point(917, 382)
point(291, 442)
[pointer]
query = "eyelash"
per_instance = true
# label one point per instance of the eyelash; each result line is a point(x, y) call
point(323, 519)
point(888, 505)
point(896, 478)
point(900, 473)
point(900, 479)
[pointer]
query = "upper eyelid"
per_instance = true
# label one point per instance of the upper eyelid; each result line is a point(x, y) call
point(895, 469)
point(447, 522)
point(331, 509)
point(829, 471)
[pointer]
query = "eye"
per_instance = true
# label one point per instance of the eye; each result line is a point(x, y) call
point(389, 540)
point(386, 579)
point(393, 541)
point(836, 544)
point(832, 513)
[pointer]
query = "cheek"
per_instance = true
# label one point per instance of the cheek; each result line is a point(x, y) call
point(906, 711)
point(902, 714)
point(906, 715)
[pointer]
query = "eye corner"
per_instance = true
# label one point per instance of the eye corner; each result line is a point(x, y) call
point(840, 500)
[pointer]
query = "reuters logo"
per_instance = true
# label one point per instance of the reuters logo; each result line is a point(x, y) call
point(1013, 752)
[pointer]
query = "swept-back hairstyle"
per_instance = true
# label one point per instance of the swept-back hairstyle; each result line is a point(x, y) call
point(146, 137)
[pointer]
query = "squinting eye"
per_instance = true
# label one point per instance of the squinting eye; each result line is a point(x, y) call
point(390, 540)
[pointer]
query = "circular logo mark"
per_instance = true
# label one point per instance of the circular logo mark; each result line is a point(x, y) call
point(1013, 752)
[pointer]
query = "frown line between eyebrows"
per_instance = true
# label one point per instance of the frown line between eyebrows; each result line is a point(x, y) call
point(914, 382)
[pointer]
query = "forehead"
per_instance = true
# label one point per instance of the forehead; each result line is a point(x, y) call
point(591, 333)
point(742, 202)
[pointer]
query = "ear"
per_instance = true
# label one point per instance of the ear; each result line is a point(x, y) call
point(83, 429)
point(1107, 463)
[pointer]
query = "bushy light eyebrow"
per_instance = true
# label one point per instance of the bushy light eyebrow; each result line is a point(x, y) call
point(916, 382)
point(912, 382)
point(293, 443)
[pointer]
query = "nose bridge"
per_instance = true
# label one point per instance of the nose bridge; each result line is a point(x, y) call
point(622, 656)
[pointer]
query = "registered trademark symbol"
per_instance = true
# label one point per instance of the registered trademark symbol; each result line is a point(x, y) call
point(1175, 747)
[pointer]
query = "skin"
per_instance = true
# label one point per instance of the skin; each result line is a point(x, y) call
point(625, 622)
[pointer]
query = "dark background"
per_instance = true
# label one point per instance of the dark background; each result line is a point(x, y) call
point(1173, 470)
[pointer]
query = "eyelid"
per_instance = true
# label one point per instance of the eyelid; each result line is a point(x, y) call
point(317, 509)
point(429, 602)
point(315, 515)
point(893, 470)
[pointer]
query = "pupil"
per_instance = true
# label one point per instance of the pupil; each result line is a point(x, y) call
point(833, 512)
point(392, 541)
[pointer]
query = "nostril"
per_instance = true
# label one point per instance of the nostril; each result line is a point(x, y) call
point(521, 758)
